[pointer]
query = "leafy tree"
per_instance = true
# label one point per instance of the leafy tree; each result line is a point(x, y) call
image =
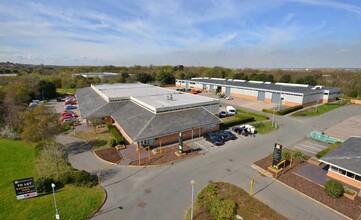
point(143, 77)
point(165, 78)
point(240, 75)
point(47, 89)
point(286, 78)
point(310, 80)
point(39, 124)
point(189, 75)
point(81, 82)
point(95, 122)
point(51, 160)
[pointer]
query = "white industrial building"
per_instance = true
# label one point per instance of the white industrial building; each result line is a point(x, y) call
point(290, 94)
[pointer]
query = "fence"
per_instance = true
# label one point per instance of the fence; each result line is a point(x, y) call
point(319, 136)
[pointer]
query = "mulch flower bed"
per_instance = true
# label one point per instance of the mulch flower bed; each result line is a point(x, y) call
point(168, 156)
point(343, 205)
point(109, 154)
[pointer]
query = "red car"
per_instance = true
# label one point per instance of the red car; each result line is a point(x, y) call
point(68, 118)
point(70, 102)
point(194, 92)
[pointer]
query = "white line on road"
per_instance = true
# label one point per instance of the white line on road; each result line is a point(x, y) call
point(307, 146)
point(201, 146)
point(306, 150)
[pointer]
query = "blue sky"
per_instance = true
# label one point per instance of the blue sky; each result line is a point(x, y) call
point(237, 34)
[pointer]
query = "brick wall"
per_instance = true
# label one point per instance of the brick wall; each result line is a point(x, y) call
point(344, 179)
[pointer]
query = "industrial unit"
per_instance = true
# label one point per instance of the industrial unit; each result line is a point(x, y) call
point(290, 94)
point(147, 114)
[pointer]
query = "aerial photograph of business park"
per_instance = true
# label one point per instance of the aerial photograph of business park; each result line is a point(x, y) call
point(180, 109)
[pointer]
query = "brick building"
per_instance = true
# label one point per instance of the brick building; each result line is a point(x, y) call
point(149, 115)
point(345, 162)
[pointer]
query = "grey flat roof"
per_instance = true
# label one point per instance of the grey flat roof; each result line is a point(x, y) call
point(261, 86)
point(139, 123)
point(346, 156)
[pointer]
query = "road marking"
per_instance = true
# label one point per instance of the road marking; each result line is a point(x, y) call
point(307, 146)
point(314, 144)
point(306, 150)
point(201, 146)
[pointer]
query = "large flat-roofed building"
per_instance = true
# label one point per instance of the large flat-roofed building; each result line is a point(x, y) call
point(345, 162)
point(290, 94)
point(148, 114)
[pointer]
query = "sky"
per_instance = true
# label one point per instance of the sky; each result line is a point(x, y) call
point(228, 33)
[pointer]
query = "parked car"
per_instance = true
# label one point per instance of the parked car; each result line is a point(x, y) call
point(228, 98)
point(231, 135)
point(194, 92)
point(225, 136)
point(187, 90)
point(70, 102)
point(70, 107)
point(230, 110)
point(69, 114)
point(33, 104)
point(239, 129)
point(76, 121)
point(222, 114)
point(213, 138)
point(67, 117)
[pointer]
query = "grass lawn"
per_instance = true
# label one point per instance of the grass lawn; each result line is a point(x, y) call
point(320, 109)
point(263, 127)
point(65, 91)
point(97, 140)
point(17, 162)
point(247, 208)
point(256, 116)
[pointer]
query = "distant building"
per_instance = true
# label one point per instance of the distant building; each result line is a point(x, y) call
point(100, 75)
point(345, 162)
point(290, 94)
point(149, 115)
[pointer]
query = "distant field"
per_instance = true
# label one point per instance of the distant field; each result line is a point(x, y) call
point(17, 162)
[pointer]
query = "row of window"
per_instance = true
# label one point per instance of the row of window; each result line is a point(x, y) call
point(346, 173)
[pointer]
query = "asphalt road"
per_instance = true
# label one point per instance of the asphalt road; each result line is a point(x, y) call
point(165, 192)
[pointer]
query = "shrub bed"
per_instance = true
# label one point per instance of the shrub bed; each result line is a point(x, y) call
point(334, 189)
point(325, 151)
point(237, 120)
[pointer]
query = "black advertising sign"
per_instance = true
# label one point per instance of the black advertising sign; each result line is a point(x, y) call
point(277, 154)
point(180, 146)
point(25, 188)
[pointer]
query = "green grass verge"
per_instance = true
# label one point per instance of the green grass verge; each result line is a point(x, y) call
point(325, 151)
point(17, 162)
point(263, 127)
point(320, 109)
point(256, 116)
point(97, 140)
point(65, 91)
point(247, 208)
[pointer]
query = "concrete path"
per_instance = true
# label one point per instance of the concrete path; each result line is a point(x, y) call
point(165, 192)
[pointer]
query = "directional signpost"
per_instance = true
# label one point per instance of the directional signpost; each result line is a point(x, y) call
point(25, 188)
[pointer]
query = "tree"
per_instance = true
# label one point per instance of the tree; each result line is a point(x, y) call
point(39, 123)
point(286, 78)
point(95, 122)
point(51, 160)
point(165, 78)
point(143, 77)
point(310, 80)
point(47, 89)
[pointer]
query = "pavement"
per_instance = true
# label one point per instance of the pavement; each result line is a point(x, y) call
point(165, 192)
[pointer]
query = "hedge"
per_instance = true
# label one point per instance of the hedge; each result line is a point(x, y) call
point(334, 189)
point(284, 111)
point(265, 117)
point(116, 134)
point(236, 121)
point(325, 151)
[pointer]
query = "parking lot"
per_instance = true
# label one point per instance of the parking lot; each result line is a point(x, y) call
point(347, 128)
point(310, 147)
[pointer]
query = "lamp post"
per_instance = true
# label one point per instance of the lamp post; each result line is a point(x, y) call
point(57, 217)
point(192, 183)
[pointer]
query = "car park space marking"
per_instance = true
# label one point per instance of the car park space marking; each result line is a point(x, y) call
point(203, 147)
point(303, 149)
point(317, 145)
point(311, 147)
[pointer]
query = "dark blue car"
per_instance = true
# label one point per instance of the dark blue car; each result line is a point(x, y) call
point(214, 138)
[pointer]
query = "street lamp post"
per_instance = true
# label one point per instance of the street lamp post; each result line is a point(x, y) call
point(57, 217)
point(192, 183)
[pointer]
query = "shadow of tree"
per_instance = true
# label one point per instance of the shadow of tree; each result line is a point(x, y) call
point(97, 143)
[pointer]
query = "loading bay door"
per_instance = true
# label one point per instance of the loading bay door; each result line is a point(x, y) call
point(261, 95)
point(228, 91)
point(276, 97)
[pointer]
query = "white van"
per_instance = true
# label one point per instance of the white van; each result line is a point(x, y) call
point(230, 110)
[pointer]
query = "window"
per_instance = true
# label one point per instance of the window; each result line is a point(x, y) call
point(334, 169)
point(343, 172)
point(358, 178)
point(351, 175)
